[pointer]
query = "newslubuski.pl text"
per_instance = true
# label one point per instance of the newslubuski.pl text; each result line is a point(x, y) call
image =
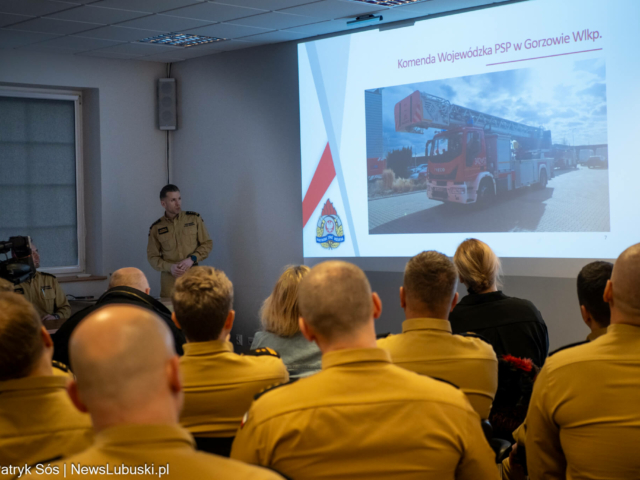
point(77, 469)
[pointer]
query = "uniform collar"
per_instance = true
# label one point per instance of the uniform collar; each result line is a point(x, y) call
point(175, 219)
point(596, 333)
point(137, 436)
point(623, 329)
point(426, 324)
point(206, 348)
point(34, 383)
point(354, 355)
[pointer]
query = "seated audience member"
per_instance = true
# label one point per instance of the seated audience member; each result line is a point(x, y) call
point(37, 420)
point(219, 385)
point(279, 316)
point(592, 281)
point(361, 416)
point(426, 345)
point(5, 285)
point(45, 293)
point(127, 286)
point(128, 380)
point(588, 395)
point(511, 325)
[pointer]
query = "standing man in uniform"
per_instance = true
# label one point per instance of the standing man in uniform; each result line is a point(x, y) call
point(361, 417)
point(45, 293)
point(177, 240)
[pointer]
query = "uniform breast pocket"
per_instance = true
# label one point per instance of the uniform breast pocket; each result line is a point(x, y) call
point(168, 242)
point(190, 236)
point(49, 295)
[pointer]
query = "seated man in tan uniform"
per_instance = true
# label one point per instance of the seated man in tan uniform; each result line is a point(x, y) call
point(45, 293)
point(128, 380)
point(219, 385)
point(426, 345)
point(37, 420)
point(361, 417)
point(583, 417)
point(596, 314)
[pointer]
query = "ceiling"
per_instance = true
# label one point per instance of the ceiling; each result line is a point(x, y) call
point(113, 28)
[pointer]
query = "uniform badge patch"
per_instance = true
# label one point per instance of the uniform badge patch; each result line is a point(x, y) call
point(163, 230)
point(189, 224)
point(329, 231)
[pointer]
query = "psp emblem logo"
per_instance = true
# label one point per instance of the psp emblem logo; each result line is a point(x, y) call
point(329, 232)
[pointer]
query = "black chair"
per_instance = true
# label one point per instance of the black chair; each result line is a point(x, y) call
point(501, 447)
point(218, 445)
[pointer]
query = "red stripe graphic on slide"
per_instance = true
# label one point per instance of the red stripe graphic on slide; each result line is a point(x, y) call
point(325, 173)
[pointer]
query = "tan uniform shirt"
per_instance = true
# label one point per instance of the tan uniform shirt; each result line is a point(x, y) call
point(362, 417)
point(426, 346)
point(154, 447)
point(584, 416)
point(39, 422)
point(171, 241)
point(46, 295)
point(219, 386)
point(520, 433)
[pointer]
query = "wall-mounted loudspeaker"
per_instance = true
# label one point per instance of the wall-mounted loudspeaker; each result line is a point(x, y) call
point(167, 104)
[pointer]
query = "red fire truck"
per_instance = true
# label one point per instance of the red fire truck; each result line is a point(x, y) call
point(475, 156)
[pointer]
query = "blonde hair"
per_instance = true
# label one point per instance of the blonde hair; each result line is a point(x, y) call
point(279, 313)
point(479, 267)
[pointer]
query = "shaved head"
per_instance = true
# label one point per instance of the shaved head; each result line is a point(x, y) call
point(625, 280)
point(335, 298)
point(129, 277)
point(120, 355)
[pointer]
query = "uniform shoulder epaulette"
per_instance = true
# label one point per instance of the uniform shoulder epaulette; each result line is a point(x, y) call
point(48, 274)
point(571, 345)
point(60, 366)
point(192, 213)
point(473, 335)
point(446, 381)
point(260, 352)
point(155, 223)
point(273, 387)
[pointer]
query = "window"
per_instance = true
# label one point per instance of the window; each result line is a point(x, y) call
point(41, 174)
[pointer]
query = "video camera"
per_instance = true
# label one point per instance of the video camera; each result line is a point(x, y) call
point(18, 267)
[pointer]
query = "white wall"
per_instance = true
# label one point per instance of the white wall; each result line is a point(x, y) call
point(126, 169)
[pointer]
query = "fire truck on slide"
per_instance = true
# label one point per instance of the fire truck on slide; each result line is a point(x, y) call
point(476, 156)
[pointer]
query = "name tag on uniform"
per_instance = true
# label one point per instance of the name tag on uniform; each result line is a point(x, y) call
point(19, 290)
point(189, 224)
point(46, 287)
point(163, 230)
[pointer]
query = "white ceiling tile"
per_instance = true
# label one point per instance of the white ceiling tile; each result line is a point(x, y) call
point(266, 4)
point(321, 28)
point(122, 34)
point(79, 44)
point(215, 12)
point(38, 47)
point(91, 14)
point(139, 49)
point(10, 19)
point(33, 8)
point(151, 6)
point(274, 37)
point(225, 30)
point(53, 26)
point(103, 54)
point(332, 9)
point(14, 39)
point(275, 20)
point(165, 23)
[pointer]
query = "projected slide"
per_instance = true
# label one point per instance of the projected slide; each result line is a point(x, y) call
point(516, 125)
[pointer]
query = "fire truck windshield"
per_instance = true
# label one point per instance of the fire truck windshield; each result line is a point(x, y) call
point(445, 147)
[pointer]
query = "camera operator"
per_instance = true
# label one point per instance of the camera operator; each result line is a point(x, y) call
point(45, 293)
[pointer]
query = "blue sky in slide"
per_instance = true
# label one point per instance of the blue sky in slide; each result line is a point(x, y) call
point(568, 98)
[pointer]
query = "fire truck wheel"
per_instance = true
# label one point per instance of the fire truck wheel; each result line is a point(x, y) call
point(486, 193)
point(543, 179)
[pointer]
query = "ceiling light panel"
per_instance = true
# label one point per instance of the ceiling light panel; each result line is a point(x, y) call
point(181, 40)
point(389, 3)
